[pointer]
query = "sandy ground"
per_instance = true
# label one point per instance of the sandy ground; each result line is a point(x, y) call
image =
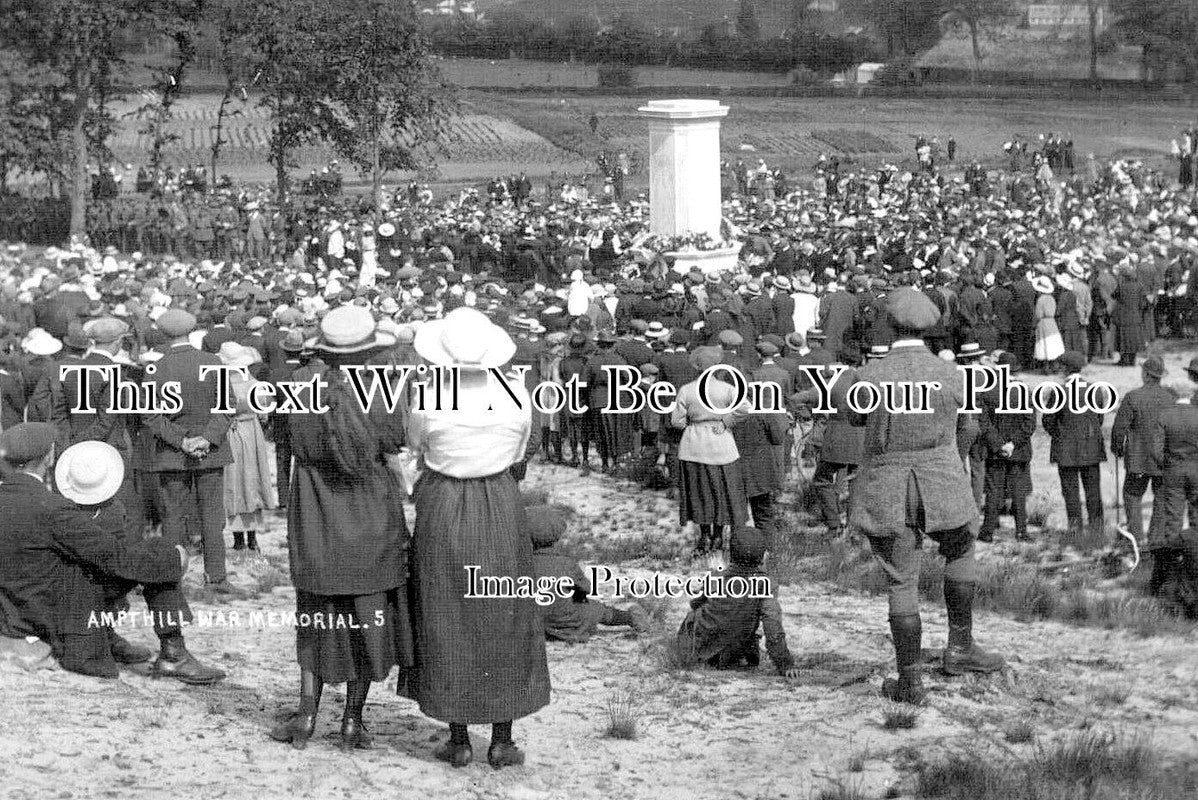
point(701, 734)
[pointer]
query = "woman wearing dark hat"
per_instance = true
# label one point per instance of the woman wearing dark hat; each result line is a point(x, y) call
point(479, 660)
point(711, 489)
point(347, 537)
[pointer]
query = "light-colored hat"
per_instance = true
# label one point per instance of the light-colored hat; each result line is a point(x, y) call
point(88, 473)
point(42, 344)
point(386, 229)
point(350, 329)
point(1042, 284)
point(232, 354)
point(464, 338)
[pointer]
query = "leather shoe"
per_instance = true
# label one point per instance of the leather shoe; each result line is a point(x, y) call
point(504, 754)
point(126, 652)
point(458, 755)
point(354, 735)
point(174, 661)
point(296, 729)
point(959, 660)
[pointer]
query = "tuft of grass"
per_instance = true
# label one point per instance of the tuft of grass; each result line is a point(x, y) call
point(857, 762)
point(623, 715)
point(1019, 732)
point(1109, 694)
point(842, 790)
point(1038, 510)
point(674, 655)
point(1089, 764)
point(271, 578)
point(899, 717)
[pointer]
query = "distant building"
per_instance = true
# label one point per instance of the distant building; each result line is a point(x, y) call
point(1063, 16)
point(448, 7)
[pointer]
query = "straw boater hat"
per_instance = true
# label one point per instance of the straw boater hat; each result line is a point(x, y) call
point(969, 351)
point(464, 338)
point(89, 473)
point(349, 329)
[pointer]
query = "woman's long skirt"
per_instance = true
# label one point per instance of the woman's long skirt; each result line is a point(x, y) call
point(478, 659)
point(248, 485)
point(711, 495)
point(354, 637)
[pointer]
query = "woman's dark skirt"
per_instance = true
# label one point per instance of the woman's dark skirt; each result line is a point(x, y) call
point(478, 660)
point(711, 495)
point(328, 644)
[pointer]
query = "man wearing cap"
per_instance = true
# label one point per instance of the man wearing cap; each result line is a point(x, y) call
point(189, 450)
point(1175, 452)
point(911, 483)
point(1078, 451)
point(1131, 440)
point(56, 558)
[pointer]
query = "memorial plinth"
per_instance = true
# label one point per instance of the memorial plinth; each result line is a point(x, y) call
point(684, 177)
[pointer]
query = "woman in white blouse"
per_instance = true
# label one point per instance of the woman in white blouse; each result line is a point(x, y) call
point(478, 660)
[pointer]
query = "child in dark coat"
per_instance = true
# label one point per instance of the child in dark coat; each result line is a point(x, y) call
point(722, 631)
point(574, 619)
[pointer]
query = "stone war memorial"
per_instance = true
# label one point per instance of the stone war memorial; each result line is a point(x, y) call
point(684, 179)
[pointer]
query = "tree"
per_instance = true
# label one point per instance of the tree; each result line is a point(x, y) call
point(26, 141)
point(287, 61)
point(907, 27)
point(747, 26)
point(1092, 10)
point(74, 43)
point(168, 83)
point(1167, 30)
point(234, 67)
point(977, 15)
point(393, 105)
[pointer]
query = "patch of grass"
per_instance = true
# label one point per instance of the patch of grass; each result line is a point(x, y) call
point(1109, 694)
point(673, 655)
point(1038, 510)
point(1092, 764)
point(271, 578)
point(842, 790)
point(857, 762)
point(623, 714)
point(1019, 732)
point(899, 717)
point(656, 608)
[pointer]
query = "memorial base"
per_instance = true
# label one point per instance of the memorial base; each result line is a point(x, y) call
point(708, 261)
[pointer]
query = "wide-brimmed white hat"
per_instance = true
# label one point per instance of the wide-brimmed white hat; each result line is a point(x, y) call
point(233, 354)
point(88, 473)
point(1042, 284)
point(386, 229)
point(349, 329)
point(42, 344)
point(464, 338)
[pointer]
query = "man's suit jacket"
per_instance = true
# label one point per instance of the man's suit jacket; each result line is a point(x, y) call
point(103, 425)
point(1131, 435)
point(182, 363)
point(903, 452)
point(1076, 438)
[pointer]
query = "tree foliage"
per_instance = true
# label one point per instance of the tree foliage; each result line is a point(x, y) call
point(1166, 29)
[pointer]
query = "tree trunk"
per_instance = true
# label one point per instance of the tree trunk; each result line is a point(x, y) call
point(1093, 9)
point(218, 142)
point(79, 158)
point(280, 172)
point(977, 50)
point(376, 178)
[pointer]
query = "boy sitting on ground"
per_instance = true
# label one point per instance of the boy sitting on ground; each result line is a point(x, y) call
point(722, 631)
point(570, 619)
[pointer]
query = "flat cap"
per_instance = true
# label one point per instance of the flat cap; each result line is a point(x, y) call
point(105, 330)
point(730, 338)
point(639, 325)
point(748, 546)
point(546, 524)
point(767, 349)
point(912, 309)
point(176, 322)
point(27, 442)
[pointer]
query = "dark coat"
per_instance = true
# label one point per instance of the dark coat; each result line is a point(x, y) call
point(784, 309)
point(103, 425)
point(346, 532)
point(759, 440)
point(837, 311)
point(997, 429)
point(1076, 438)
point(182, 363)
point(12, 399)
point(54, 556)
point(1131, 435)
point(842, 440)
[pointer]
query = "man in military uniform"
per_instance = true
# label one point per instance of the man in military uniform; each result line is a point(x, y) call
point(1131, 440)
point(914, 457)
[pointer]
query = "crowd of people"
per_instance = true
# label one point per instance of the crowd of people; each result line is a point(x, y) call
point(891, 274)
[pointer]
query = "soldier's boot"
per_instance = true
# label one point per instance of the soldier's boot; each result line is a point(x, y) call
point(907, 632)
point(962, 654)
